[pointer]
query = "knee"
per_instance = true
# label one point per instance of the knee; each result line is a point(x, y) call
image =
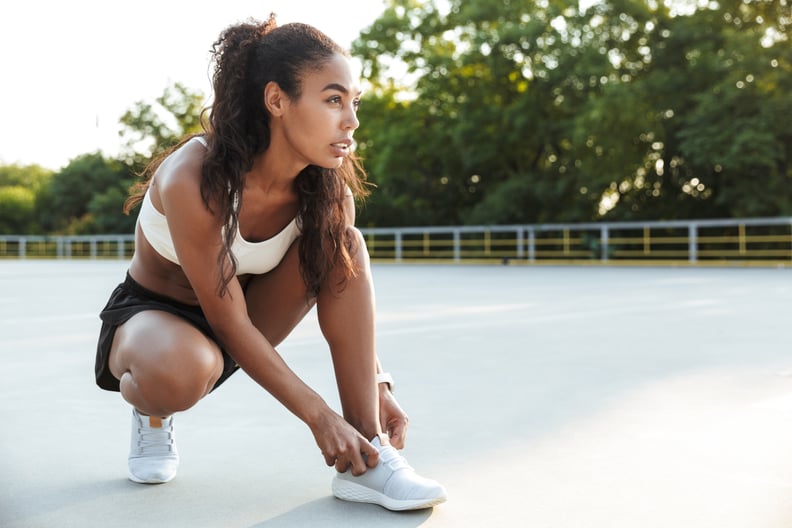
point(172, 386)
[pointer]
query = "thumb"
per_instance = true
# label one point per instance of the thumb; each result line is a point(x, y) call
point(397, 431)
point(370, 453)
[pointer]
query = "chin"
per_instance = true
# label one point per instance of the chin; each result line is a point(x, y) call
point(335, 164)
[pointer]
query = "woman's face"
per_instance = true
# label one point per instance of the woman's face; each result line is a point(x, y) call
point(319, 125)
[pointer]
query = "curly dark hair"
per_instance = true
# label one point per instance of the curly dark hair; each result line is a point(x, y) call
point(246, 57)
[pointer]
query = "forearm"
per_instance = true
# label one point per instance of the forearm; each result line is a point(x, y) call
point(254, 354)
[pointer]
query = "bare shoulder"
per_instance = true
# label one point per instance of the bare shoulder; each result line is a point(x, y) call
point(175, 191)
point(179, 175)
point(349, 208)
point(182, 166)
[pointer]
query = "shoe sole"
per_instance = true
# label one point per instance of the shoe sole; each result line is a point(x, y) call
point(133, 478)
point(350, 491)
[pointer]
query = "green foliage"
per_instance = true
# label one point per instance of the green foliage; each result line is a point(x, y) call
point(529, 111)
point(517, 111)
point(32, 177)
point(16, 209)
point(19, 186)
point(106, 212)
point(151, 128)
point(87, 197)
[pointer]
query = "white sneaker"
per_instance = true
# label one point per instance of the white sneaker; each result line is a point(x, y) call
point(392, 484)
point(153, 458)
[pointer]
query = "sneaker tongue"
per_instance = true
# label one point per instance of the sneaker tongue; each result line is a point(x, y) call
point(389, 456)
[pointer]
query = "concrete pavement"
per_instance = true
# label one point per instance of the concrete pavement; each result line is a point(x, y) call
point(561, 397)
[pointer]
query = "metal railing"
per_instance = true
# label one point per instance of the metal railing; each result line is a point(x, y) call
point(758, 241)
point(72, 246)
point(738, 241)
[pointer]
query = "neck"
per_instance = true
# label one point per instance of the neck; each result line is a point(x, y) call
point(275, 169)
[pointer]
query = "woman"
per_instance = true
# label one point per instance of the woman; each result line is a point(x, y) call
point(240, 232)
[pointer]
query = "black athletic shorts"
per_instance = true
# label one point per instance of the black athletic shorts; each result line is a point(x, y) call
point(130, 298)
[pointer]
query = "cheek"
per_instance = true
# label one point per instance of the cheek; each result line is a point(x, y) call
point(309, 123)
point(320, 119)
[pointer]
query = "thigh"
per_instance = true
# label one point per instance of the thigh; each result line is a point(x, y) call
point(161, 341)
point(277, 300)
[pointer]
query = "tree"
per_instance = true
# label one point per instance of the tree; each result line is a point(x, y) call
point(19, 187)
point(716, 80)
point(151, 128)
point(32, 177)
point(736, 134)
point(16, 210)
point(86, 196)
point(504, 83)
point(522, 111)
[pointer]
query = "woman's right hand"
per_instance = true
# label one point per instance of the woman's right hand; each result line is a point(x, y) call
point(342, 445)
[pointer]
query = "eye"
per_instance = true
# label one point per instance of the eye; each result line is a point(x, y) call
point(336, 99)
point(356, 103)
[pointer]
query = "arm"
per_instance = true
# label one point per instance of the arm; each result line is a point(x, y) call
point(196, 236)
point(393, 419)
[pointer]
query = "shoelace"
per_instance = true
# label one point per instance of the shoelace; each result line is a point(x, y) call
point(155, 441)
point(392, 458)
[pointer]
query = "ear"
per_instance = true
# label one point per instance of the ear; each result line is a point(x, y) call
point(274, 98)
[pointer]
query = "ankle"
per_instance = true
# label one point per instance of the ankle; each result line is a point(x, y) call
point(154, 420)
point(368, 429)
point(157, 415)
point(383, 439)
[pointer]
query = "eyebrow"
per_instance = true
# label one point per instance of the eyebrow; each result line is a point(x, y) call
point(338, 87)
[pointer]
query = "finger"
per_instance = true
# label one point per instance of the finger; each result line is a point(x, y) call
point(341, 465)
point(370, 454)
point(385, 423)
point(357, 464)
point(397, 432)
point(396, 437)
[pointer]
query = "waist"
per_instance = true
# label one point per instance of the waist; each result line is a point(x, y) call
point(160, 284)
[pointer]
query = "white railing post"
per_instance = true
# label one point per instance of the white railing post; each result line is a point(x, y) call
point(398, 246)
point(531, 244)
point(520, 243)
point(692, 241)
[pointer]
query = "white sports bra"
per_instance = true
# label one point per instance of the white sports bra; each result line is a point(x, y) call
point(251, 257)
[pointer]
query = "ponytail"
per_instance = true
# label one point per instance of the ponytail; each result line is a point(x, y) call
point(238, 130)
point(246, 58)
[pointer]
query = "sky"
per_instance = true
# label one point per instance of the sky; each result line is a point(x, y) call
point(70, 69)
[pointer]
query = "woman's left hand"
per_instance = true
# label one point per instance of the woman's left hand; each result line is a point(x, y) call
point(393, 419)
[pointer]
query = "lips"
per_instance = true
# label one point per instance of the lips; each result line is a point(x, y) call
point(342, 148)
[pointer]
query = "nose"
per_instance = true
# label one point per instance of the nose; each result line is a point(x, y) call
point(350, 119)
